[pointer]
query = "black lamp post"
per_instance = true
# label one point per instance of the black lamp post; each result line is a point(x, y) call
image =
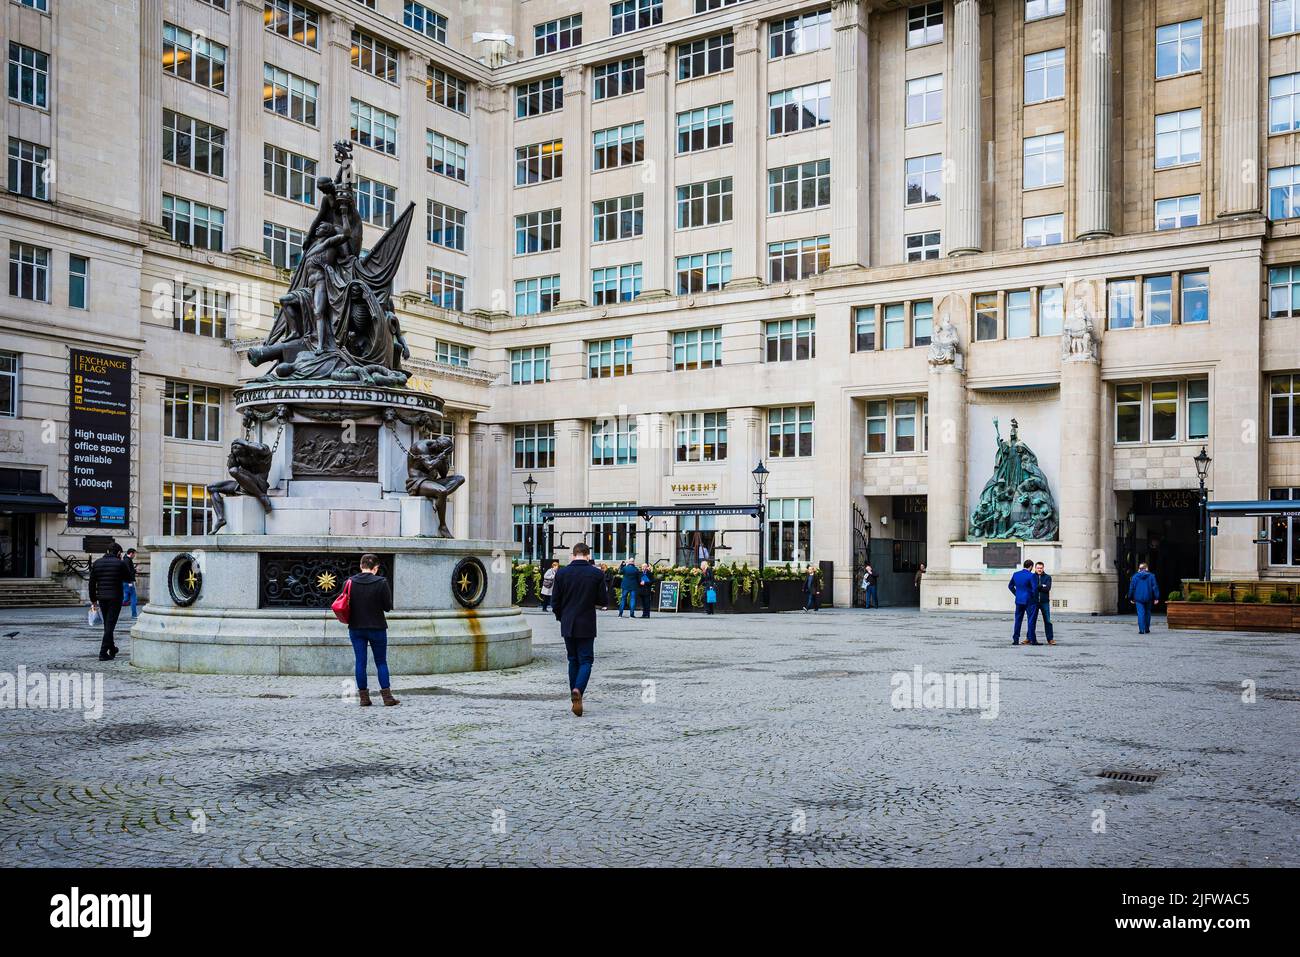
point(760, 481)
point(1203, 461)
point(530, 486)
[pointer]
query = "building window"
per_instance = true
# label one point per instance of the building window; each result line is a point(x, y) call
point(538, 97)
point(701, 436)
point(1178, 49)
point(905, 415)
point(704, 6)
point(194, 145)
point(618, 78)
point(1157, 300)
point(925, 100)
point(877, 419)
point(706, 56)
point(704, 204)
point(293, 21)
point(1038, 9)
point(1044, 160)
point(988, 315)
point(1284, 103)
point(376, 202)
point(289, 95)
point(193, 224)
point(537, 232)
point(200, 310)
point(621, 217)
point(445, 156)
point(191, 411)
point(801, 186)
point(530, 531)
point(374, 57)
point(533, 296)
point(628, 15)
point(864, 328)
point(447, 89)
point(1044, 230)
point(703, 272)
point(8, 385)
point(1195, 292)
point(539, 163)
point(921, 246)
point(607, 358)
point(1164, 411)
point(446, 290)
point(790, 432)
point(185, 509)
point(1284, 192)
point(1178, 138)
point(922, 321)
point(615, 284)
point(78, 281)
point(1284, 533)
point(697, 349)
point(789, 520)
point(618, 146)
point(705, 128)
point(28, 169)
point(374, 128)
point(1121, 296)
point(1163, 405)
point(801, 34)
point(451, 354)
point(791, 339)
point(895, 326)
point(1284, 292)
point(446, 226)
point(1045, 76)
point(44, 5)
point(190, 56)
point(1198, 409)
point(798, 258)
point(288, 175)
point(799, 108)
point(556, 35)
point(530, 364)
point(1177, 212)
point(29, 272)
point(1284, 406)
point(1051, 310)
point(1128, 413)
point(613, 441)
point(282, 245)
point(613, 538)
point(535, 446)
point(924, 176)
point(421, 19)
point(1020, 314)
point(924, 24)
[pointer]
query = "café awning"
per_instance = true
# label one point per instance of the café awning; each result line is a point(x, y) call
point(30, 503)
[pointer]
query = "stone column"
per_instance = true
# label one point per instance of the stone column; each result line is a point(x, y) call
point(246, 197)
point(1092, 219)
point(335, 108)
point(660, 137)
point(572, 456)
point(489, 294)
point(1239, 130)
point(461, 461)
point(850, 137)
point(575, 192)
point(151, 76)
point(411, 279)
point(479, 482)
point(750, 141)
point(746, 447)
point(946, 461)
point(1079, 497)
point(962, 206)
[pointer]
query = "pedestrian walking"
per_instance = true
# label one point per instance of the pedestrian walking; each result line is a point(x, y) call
point(916, 580)
point(1044, 595)
point(645, 588)
point(579, 590)
point(709, 582)
point(108, 578)
point(870, 580)
point(631, 581)
point(812, 590)
point(1022, 586)
point(548, 584)
point(130, 597)
point(1144, 592)
point(370, 596)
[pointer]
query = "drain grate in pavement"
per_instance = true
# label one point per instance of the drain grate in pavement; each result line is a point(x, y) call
point(1132, 777)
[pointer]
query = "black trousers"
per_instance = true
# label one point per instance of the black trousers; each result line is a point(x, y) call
point(110, 609)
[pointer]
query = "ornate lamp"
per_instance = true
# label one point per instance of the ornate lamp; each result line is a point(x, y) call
point(1203, 460)
point(530, 486)
point(760, 474)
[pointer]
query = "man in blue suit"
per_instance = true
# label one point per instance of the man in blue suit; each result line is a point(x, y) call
point(1144, 591)
point(579, 590)
point(627, 589)
point(1024, 586)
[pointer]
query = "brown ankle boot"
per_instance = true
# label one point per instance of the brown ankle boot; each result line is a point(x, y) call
point(364, 695)
point(387, 695)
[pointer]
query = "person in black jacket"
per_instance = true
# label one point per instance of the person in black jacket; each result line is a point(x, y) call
point(108, 578)
point(812, 590)
point(580, 589)
point(1044, 599)
point(645, 588)
point(708, 581)
point(368, 626)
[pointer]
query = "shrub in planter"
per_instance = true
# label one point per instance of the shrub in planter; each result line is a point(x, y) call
point(1279, 598)
point(1250, 598)
point(1196, 596)
point(1222, 597)
point(1175, 596)
point(527, 581)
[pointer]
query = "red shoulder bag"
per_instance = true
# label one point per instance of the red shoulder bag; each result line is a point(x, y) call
point(342, 606)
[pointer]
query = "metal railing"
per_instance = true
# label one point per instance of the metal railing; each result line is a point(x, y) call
point(78, 566)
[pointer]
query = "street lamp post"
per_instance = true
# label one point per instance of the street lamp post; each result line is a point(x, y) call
point(760, 481)
point(530, 486)
point(1202, 461)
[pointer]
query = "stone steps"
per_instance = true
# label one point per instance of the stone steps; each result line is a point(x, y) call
point(35, 593)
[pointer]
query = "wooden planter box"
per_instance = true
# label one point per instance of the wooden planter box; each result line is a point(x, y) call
point(784, 595)
point(1219, 616)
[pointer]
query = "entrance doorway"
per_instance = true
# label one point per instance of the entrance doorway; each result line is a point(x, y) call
point(17, 546)
point(1159, 528)
point(696, 536)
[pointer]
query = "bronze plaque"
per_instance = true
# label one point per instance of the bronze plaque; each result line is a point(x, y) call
point(336, 452)
point(1002, 555)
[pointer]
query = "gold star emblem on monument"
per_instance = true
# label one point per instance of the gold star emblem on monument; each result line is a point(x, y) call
point(326, 581)
point(464, 581)
point(192, 580)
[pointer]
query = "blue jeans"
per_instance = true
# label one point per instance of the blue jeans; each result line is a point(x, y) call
point(377, 640)
point(1045, 611)
point(1144, 616)
point(129, 595)
point(1021, 611)
point(872, 600)
point(582, 652)
point(627, 602)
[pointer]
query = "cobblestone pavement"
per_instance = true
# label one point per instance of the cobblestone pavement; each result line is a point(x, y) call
point(758, 725)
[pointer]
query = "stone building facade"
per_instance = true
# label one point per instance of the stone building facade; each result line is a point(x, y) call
point(665, 240)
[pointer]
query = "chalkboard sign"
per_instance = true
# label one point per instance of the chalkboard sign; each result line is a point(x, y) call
point(670, 593)
point(1002, 555)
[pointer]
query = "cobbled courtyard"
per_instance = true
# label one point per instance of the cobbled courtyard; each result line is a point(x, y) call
point(732, 740)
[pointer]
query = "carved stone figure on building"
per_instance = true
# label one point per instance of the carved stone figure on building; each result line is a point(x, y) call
point(1078, 335)
point(427, 466)
point(1016, 502)
point(249, 465)
point(945, 344)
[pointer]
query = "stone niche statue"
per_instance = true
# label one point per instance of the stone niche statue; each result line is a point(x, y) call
point(337, 323)
point(1016, 502)
point(249, 465)
point(427, 466)
point(1078, 335)
point(945, 344)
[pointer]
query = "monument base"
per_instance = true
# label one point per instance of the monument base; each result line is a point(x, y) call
point(967, 584)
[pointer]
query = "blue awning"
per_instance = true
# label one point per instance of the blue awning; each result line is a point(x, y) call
point(1277, 508)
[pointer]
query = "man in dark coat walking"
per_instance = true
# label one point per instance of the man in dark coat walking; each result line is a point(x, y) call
point(580, 589)
point(108, 579)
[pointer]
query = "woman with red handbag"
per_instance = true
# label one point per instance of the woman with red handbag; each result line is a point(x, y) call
point(361, 607)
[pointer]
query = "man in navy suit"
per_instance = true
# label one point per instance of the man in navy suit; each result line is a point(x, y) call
point(579, 590)
point(1024, 586)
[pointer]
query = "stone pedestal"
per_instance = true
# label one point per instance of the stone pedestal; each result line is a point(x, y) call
point(244, 516)
point(419, 518)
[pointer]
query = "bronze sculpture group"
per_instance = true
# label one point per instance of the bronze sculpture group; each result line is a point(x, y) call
point(1016, 502)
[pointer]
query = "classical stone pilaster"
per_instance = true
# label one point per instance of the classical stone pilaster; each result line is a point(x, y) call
point(657, 272)
point(335, 112)
point(151, 30)
point(575, 192)
point(1096, 40)
point(750, 156)
point(963, 215)
point(245, 175)
point(746, 447)
point(1079, 496)
point(461, 462)
point(488, 295)
point(946, 465)
point(412, 189)
point(479, 485)
point(850, 137)
point(1239, 121)
point(572, 457)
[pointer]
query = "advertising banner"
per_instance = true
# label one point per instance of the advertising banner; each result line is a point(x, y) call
point(99, 440)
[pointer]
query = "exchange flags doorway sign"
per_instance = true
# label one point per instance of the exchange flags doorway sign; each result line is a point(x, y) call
point(99, 439)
